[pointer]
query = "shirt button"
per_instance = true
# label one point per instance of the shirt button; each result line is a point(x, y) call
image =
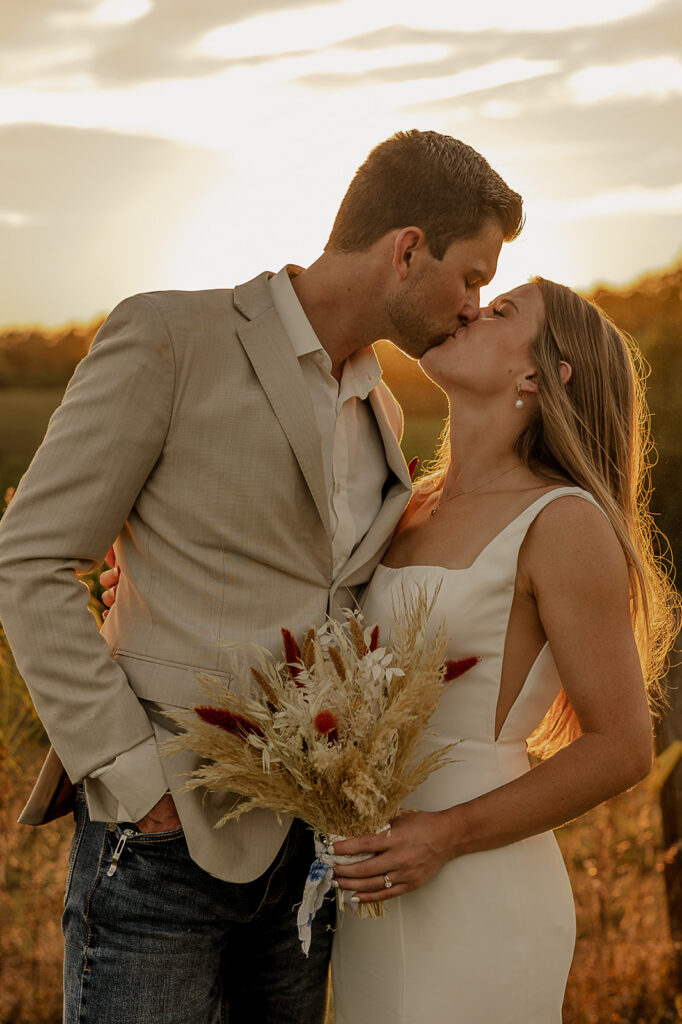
point(337, 488)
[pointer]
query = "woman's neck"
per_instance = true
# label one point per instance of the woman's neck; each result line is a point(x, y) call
point(482, 447)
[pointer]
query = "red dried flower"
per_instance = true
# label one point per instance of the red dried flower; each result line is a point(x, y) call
point(374, 639)
point(327, 725)
point(454, 669)
point(229, 721)
point(292, 654)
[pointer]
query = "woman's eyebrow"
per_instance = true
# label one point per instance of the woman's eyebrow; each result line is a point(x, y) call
point(504, 298)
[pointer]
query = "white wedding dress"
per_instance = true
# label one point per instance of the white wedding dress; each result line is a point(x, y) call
point(489, 939)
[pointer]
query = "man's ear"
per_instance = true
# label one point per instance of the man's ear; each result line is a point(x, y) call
point(565, 372)
point(407, 242)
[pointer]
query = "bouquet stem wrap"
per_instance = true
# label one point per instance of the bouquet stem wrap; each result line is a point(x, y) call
point(319, 881)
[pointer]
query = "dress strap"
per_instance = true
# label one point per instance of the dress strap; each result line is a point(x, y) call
point(559, 492)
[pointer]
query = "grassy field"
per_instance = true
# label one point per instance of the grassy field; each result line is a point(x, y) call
point(24, 415)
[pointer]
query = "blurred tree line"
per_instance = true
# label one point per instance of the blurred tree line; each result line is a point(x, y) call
point(651, 312)
point(43, 359)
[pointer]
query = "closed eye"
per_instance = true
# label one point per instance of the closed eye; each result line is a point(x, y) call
point(498, 312)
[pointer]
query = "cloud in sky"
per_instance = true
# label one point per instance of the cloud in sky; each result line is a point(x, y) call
point(79, 207)
point(246, 120)
point(178, 40)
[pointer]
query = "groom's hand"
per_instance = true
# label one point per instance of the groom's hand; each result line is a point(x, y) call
point(163, 816)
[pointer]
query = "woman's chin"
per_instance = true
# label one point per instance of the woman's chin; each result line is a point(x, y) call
point(431, 360)
point(432, 372)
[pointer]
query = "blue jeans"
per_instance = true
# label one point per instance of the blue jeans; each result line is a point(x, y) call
point(151, 938)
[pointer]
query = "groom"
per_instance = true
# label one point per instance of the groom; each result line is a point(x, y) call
point(250, 474)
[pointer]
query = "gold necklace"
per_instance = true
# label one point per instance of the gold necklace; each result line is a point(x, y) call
point(442, 501)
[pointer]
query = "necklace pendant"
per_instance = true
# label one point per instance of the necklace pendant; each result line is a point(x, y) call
point(434, 510)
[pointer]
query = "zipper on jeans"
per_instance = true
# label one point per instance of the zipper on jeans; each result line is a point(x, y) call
point(125, 836)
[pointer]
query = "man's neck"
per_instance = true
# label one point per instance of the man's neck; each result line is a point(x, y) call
point(334, 292)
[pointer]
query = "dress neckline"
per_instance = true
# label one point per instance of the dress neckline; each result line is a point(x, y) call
point(467, 568)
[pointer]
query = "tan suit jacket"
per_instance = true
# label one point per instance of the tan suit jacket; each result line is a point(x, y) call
point(187, 433)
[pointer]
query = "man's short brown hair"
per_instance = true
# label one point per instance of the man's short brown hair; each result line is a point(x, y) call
point(428, 180)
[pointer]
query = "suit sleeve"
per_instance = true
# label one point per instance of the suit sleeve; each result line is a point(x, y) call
point(135, 780)
point(100, 447)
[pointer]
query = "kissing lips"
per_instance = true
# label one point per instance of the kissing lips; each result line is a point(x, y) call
point(454, 333)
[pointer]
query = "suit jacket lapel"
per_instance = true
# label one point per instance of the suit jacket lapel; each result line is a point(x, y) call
point(274, 361)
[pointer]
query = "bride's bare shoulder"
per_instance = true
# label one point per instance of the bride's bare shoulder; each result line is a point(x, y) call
point(571, 536)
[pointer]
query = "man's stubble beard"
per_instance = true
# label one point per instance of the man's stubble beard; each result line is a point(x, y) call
point(412, 331)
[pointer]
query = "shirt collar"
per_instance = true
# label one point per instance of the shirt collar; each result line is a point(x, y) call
point(361, 371)
point(294, 321)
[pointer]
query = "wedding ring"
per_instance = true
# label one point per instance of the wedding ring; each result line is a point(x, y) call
point(387, 882)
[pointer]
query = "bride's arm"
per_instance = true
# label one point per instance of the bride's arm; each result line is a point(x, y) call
point(577, 572)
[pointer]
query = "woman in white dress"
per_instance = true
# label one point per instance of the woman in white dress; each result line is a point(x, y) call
point(534, 529)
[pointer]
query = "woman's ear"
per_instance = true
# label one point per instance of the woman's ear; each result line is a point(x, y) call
point(529, 384)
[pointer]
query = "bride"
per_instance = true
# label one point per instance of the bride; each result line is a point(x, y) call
point(534, 527)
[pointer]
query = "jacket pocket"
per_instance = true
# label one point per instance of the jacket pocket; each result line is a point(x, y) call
point(166, 682)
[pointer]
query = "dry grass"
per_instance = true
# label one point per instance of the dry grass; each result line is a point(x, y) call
point(624, 966)
point(32, 868)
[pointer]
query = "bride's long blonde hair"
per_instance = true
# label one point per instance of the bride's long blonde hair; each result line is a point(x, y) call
point(595, 432)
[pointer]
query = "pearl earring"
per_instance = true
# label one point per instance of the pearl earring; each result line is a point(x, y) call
point(519, 401)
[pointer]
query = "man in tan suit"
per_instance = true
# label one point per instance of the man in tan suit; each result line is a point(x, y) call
point(250, 475)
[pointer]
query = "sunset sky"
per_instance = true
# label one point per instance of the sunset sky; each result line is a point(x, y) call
point(152, 144)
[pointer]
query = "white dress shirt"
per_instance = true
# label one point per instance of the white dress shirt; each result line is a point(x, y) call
point(355, 471)
point(352, 449)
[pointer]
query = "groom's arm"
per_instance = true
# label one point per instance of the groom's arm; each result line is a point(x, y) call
point(66, 513)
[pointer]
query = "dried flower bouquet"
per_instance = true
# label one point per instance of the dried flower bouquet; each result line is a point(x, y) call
point(331, 734)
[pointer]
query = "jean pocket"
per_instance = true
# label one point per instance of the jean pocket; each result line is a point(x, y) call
point(128, 835)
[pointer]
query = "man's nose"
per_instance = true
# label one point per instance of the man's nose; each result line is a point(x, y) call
point(469, 310)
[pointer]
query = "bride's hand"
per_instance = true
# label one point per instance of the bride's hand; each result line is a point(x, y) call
point(415, 848)
point(109, 581)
